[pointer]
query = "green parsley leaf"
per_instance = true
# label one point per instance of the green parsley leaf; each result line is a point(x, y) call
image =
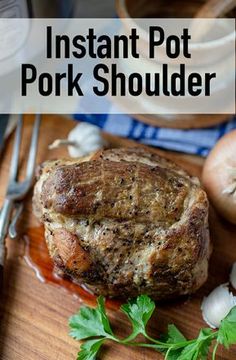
point(89, 322)
point(227, 329)
point(139, 312)
point(89, 349)
point(104, 318)
point(93, 325)
point(174, 335)
point(199, 348)
point(173, 354)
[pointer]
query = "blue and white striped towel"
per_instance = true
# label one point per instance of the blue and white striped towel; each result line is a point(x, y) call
point(194, 141)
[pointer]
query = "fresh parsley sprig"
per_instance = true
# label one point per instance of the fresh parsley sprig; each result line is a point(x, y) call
point(93, 326)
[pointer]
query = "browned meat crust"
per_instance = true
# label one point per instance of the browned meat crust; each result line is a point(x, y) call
point(125, 222)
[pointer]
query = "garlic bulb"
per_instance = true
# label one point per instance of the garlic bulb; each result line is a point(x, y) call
point(217, 305)
point(82, 140)
point(232, 276)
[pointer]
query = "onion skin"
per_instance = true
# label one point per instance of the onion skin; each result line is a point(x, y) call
point(232, 276)
point(219, 176)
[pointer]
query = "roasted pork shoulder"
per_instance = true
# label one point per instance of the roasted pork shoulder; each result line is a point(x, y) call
point(125, 222)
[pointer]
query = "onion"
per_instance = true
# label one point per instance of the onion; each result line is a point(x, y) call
point(219, 176)
point(232, 276)
point(217, 305)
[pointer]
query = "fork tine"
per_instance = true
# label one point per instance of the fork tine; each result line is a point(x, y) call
point(16, 150)
point(33, 150)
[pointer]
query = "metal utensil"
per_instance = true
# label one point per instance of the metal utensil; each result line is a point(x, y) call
point(4, 119)
point(12, 231)
point(17, 190)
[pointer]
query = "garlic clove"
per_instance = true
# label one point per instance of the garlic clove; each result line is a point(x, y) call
point(217, 305)
point(232, 276)
point(83, 131)
point(86, 138)
point(82, 140)
point(60, 142)
point(76, 152)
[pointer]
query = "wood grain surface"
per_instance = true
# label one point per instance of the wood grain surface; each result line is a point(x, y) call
point(34, 315)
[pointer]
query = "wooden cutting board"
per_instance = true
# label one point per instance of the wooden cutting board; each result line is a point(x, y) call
point(34, 315)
